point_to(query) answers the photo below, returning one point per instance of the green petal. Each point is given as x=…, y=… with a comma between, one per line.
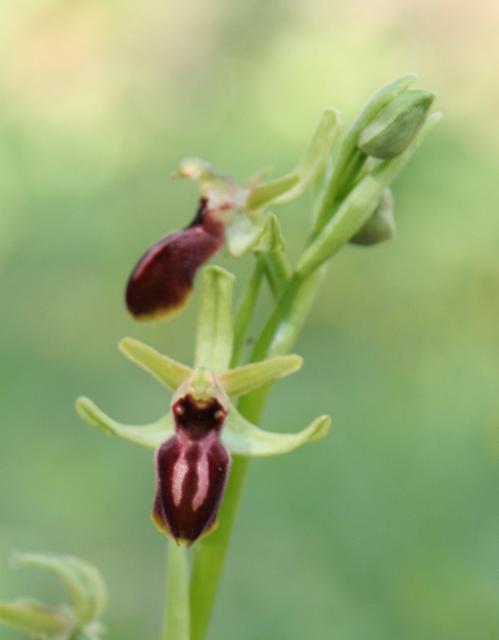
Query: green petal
x=82, y=580
x=215, y=331
x=243, y=438
x=262, y=195
x=150, y=435
x=168, y=371
x=242, y=380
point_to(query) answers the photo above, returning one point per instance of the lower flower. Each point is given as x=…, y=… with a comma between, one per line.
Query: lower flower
x=191, y=470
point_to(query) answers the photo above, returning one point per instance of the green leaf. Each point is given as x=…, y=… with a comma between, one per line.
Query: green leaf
x=244, y=379
x=168, y=371
x=35, y=618
x=150, y=435
x=84, y=583
x=214, y=336
x=243, y=438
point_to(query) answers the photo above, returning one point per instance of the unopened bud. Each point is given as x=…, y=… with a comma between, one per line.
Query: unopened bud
x=380, y=226
x=391, y=132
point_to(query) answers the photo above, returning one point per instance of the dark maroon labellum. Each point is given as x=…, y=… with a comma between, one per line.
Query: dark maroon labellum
x=192, y=469
x=162, y=279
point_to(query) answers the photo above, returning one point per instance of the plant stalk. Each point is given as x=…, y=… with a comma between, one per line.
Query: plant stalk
x=177, y=612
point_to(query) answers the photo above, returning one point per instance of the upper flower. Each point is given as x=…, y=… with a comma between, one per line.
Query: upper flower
x=162, y=280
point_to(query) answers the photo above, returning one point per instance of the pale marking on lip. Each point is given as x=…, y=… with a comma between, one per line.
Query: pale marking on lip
x=179, y=472
x=203, y=481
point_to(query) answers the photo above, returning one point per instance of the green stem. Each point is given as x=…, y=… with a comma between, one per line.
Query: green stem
x=210, y=553
x=278, y=272
x=245, y=310
x=177, y=610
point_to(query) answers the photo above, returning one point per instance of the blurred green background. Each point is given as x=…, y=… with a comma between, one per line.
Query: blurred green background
x=389, y=529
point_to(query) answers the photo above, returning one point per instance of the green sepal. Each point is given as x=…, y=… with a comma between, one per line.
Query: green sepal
x=242, y=380
x=214, y=336
x=150, y=435
x=239, y=435
x=36, y=619
x=316, y=155
x=168, y=371
x=243, y=438
x=380, y=226
x=82, y=580
x=393, y=129
x=292, y=185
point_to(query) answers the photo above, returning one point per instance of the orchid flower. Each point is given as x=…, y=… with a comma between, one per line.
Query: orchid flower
x=162, y=280
x=195, y=440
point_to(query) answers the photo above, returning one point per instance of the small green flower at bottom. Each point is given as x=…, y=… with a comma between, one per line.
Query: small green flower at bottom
x=194, y=441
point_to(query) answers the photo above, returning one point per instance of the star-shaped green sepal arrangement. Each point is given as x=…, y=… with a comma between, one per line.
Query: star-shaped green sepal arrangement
x=195, y=440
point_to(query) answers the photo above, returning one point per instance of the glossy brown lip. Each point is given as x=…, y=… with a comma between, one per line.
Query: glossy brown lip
x=162, y=280
x=192, y=468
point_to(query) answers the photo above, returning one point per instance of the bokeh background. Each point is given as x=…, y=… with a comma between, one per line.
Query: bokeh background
x=389, y=529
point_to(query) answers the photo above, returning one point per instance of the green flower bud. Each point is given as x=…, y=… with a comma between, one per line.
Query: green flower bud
x=391, y=132
x=380, y=226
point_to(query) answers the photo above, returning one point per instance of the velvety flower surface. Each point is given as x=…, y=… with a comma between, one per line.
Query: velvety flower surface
x=162, y=280
x=191, y=469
